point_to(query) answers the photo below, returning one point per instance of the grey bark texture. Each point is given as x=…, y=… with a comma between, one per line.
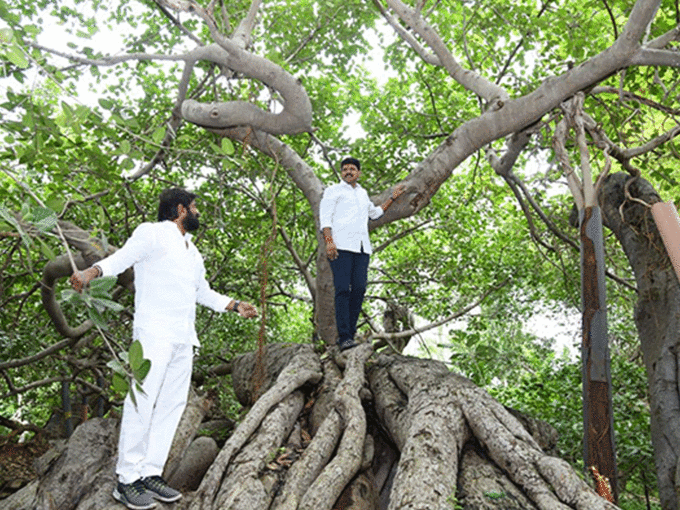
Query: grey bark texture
x=390, y=432
x=657, y=317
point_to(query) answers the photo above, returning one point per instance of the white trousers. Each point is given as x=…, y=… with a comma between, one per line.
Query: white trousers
x=147, y=429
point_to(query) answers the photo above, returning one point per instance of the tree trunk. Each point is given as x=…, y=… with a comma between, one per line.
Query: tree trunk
x=358, y=431
x=656, y=317
x=598, y=418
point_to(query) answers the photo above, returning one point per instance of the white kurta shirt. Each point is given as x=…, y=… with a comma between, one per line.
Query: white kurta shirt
x=346, y=210
x=169, y=281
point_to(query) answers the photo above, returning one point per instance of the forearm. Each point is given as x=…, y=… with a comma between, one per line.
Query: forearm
x=328, y=234
x=398, y=191
x=386, y=205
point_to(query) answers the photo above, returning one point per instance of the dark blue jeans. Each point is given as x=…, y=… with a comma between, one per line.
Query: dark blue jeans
x=350, y=273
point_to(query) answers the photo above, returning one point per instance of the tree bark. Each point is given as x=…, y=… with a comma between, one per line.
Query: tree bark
x=598, y=417
x=656, y=317
x=449, y=444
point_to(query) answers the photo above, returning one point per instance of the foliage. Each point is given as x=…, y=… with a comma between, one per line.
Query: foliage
x=73, y=132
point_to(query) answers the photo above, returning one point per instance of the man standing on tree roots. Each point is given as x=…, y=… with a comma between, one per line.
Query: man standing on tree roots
x=169, y=281
x=344, y=212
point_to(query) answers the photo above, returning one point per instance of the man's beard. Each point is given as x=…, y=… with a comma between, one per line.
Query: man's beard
x=190, y=222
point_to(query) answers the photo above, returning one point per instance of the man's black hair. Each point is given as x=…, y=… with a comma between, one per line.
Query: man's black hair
x=169, y=199
x=350, y=161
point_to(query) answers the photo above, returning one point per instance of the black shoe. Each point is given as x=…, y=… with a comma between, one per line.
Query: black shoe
x=160, y=489
x=346, y=343
x=134, y=495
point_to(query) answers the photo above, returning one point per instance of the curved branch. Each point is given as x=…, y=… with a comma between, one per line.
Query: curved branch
x=36, y=357
x=296, y=116
x=36, y=384
x=55, y=270
x=90, y=252
x=492, y=93
x=627, y=95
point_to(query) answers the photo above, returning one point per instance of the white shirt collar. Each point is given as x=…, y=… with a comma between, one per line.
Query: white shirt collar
x=169, y=223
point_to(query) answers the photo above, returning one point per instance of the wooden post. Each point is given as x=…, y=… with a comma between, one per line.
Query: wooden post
x=598, y=420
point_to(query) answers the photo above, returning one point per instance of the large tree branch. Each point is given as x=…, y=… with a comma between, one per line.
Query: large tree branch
x=474, y=82
x=243, y=33
x=652, y=57
x=406, y=36
x=663, y=40
x=517, y=114
x=296, y=116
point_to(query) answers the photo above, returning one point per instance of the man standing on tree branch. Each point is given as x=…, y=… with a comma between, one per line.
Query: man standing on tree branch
x=169, y=281
x=344, y=212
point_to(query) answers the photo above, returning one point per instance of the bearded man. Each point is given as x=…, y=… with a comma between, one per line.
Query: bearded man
x=169, y=280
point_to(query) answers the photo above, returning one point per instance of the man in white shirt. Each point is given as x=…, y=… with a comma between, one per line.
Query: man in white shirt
x=169, y=281
x=344, y=213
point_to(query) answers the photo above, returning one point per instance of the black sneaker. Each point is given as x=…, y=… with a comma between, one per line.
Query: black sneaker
x=346, y=343
x=134, y=495
x=160, y=489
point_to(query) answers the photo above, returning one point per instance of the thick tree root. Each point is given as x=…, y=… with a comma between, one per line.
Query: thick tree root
x=245, y=486
x=434, y=436
x=451, y=444
x=315, y=457
x=433, y=420
x=193, y=415
x=341, y=469
x=303, y=368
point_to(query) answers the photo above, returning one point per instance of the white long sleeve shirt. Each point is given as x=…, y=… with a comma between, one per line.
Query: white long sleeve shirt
x=169, y=281
x=346, y=210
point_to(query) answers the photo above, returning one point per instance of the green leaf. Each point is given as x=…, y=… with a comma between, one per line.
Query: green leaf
x=71, y=296
x=116, y=366
x=103, y=304
x=55, y=203
x=96, y=317
x=132, y=395
x=158, y=134
x=46, y=250
x=16, y=55
x=107, y=104
x=119, y=383
x=142, y=371
x=101, y=287
x=44, y=219
x=227, y=146
x=6, y=35
x=136, y=355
